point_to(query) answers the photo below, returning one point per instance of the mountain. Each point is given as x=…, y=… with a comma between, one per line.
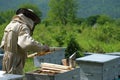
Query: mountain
x=86, y=7
x=93, y=7
x=15, y=4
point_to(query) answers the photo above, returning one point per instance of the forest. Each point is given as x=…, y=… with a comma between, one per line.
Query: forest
x=86, y=7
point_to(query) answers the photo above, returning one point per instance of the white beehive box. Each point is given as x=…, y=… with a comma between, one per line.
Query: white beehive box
x=116, y=54
x=10, y=76
x=54, y=57
x=99, y=67
x=69, y=75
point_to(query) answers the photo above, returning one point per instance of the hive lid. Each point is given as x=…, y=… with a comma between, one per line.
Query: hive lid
x=114, y=53
x=1, y=54
x=99, y=58
x=4, y=76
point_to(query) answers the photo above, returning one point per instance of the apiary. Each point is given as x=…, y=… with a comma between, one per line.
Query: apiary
x=53, y=57
x=99, y=67
x=54, y=72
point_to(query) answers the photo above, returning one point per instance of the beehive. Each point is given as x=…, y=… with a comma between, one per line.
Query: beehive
x=116, y=54
x=11, y=77
x=1, y=58
x=99, y=67
x=54, y=57
x=69, y=75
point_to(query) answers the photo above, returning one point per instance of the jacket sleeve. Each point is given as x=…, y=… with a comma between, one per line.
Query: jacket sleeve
x=26, y=42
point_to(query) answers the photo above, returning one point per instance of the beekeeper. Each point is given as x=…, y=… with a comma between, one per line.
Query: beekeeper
x=17, y=40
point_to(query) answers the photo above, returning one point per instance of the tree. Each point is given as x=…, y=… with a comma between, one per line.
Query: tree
x=73, y=47
x=102, y=19
x=92, y=20
x=6, y=16
x=62, y=11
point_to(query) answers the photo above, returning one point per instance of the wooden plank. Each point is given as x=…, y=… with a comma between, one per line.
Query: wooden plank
x=50, y=65
x=37, y=54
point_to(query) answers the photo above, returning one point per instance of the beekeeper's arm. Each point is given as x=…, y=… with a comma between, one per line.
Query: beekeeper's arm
x=26, y=42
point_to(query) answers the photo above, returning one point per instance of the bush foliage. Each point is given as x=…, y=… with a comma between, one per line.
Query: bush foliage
x=95, y=34
x=73, y=47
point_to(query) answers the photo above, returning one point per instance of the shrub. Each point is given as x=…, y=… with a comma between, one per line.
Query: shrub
x=92, y=20
x=72, y=47
x=6, y=16
x=102, y=19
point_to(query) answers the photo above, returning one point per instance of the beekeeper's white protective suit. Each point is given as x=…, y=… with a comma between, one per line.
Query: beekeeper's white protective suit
x=16, y=42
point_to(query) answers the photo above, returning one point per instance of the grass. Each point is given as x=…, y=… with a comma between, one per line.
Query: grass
x=29, y=65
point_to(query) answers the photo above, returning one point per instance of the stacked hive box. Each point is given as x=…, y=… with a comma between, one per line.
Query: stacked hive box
x=54, y=57
x=1, y=58
x=69, y=75
x=116, y=54
x=11, y=77
x=99, y=67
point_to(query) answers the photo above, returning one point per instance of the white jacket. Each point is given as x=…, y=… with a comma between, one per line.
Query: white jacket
x=21, y=27
x=16, y=42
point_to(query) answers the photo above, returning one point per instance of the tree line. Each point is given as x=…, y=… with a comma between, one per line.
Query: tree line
x=61, y=12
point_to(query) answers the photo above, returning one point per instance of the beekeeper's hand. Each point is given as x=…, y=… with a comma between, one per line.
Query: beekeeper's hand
x=46, y=48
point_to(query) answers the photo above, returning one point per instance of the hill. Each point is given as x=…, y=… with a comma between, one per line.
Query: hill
x=15, y=4
x=86, y=7
x=92, y=7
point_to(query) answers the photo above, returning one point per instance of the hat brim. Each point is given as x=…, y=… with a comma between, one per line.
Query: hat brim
x=29, y=14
